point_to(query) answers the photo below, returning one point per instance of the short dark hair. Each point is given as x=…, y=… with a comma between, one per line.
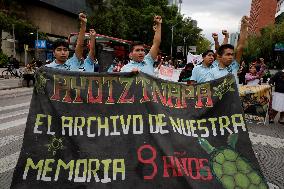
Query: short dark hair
x=222, y=48
x=207, y=52
x=137, y=43
x=60, y=42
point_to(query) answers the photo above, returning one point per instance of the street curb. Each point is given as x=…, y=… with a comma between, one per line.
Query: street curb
x=8, y=88
x=14, y=92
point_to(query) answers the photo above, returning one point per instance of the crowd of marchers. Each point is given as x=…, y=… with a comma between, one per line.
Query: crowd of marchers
x=226, y=59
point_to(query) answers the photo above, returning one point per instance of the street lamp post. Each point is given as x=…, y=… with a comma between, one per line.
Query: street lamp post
x=36, y=55
x=14, y=42
x=172, y=39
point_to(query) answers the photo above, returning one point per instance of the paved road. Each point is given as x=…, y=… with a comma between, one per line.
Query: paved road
x=13, y=115
x=268, y=141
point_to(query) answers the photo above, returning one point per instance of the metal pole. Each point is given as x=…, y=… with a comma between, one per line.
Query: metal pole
x=184, y=47
x=172, y=41
x=36, y=44
x=14, y=40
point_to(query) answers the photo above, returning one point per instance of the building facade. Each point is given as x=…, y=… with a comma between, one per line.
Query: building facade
x=262, y=14
x=57, y=19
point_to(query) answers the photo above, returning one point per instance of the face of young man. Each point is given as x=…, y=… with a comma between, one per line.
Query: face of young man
x=138, y=53
x=209, y=59
x=227, y=58
x=61, y=54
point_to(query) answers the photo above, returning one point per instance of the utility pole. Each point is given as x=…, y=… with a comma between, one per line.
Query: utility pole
x=172, y=41
x=36, y=55
x=14, y=42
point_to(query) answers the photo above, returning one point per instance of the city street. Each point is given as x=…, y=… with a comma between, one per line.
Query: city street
x=268, y=141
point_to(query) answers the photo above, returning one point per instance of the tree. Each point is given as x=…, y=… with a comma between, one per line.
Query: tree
x=132, y=20
x=203, y=45
x=11, y=13
x=263, y=45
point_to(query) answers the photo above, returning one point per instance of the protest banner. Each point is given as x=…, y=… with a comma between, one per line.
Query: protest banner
x=255, y=102
x=125, y=130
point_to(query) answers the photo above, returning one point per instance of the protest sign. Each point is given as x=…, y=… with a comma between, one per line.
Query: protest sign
x=255, y=102
x=169, y=73
x=87, y=130
x=195, y=59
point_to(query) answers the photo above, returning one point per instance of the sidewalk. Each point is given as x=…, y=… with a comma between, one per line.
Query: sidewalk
x=10, y=83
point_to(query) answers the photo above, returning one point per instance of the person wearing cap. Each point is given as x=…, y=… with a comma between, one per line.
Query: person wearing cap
x=61, y=50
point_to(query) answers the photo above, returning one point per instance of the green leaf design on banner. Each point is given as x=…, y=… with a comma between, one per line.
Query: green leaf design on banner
x=222, y=89
x=40, y=83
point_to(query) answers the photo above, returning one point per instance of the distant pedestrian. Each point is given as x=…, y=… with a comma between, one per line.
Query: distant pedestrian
x=278, y=97
x=242, y=73
x=186, y=73
x=252, y=78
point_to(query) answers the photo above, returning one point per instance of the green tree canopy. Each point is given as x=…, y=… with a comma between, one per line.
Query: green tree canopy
x=133, y=20
x=263, y=45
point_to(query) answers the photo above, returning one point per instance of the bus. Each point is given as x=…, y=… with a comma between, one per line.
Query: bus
x=107, y=48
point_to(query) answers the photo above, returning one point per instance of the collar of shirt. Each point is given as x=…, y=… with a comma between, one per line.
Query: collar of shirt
x=202, y=65
x=60, y=65
x=134, y=62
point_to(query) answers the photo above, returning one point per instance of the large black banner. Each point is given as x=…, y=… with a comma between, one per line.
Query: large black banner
x=87, y=130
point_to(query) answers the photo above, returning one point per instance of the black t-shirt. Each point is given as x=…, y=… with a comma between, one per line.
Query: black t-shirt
x=278, y=79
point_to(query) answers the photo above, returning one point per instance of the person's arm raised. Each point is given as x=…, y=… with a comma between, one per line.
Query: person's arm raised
x=92, y=44
x=157, y=37
x=243, y=38
x=80, y=41
x=226, y=37
x=216, y=42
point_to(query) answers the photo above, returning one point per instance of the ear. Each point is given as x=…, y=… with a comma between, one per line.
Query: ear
x=130, y=55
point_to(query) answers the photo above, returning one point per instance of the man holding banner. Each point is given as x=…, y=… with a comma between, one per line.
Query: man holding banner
x=140, y=62
x=61, y=51
x=225, y=55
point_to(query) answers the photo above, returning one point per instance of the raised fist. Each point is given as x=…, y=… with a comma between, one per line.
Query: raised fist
x=225, y=32
x=215, y=35
x=93, y=33
x=245, y=21
x=157, y=20
x=83, y=17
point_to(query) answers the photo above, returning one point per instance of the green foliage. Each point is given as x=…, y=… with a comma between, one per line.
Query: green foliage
x=263, y=45
x=203, y=45
x=133, y=20
x=3, y=59
x=22, y=29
